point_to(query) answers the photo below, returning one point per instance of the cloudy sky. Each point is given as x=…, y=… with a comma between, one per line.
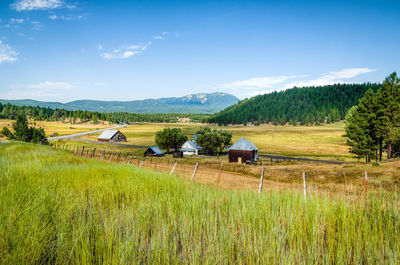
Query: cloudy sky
x=62, y=50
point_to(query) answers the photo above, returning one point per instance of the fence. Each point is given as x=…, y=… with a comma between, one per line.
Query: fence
x=234, y=176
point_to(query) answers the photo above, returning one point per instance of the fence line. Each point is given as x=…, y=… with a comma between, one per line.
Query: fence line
x=185, y=171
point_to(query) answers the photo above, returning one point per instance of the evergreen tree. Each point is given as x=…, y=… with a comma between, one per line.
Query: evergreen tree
x=361, y=128
x=21, y=129
x=388, y=115
x=7, y=133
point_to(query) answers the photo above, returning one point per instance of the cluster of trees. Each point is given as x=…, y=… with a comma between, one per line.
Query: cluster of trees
x=22, y=132
x=304, y=106
x=211, y=141
x=8, y=111
x=374, y=124
x=170, y=138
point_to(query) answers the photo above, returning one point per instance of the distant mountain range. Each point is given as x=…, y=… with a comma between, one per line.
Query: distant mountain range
x=194, y=103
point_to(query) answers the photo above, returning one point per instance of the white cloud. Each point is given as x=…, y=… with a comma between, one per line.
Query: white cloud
x=17, y=20
x=7, y=54
x=331, y=78
x=66, y=17
x=125, y=51
x=47, y=90
x=27, y=5
x=256, y=83
x=47, y=85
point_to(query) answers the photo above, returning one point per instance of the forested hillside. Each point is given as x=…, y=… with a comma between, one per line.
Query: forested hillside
x=8, y=111
x=306, y=105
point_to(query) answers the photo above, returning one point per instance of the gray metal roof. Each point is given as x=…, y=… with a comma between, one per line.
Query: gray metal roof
x=156, y=150
x=107, y=134
x=243, y=144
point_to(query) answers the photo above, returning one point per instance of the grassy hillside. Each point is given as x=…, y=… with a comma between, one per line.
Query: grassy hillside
x=60, y=209
x=306, y=105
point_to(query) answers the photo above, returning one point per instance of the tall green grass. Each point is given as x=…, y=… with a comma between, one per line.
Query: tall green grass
x=59, y=209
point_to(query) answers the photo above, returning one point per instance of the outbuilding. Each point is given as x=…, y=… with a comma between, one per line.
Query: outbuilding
x=243, y=151
x=190, y=148
x=111, y=136
x=153, y=151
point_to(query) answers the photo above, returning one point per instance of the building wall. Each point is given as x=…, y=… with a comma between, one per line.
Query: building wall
x=118, y=137
x=245, y=155
x=191, y=153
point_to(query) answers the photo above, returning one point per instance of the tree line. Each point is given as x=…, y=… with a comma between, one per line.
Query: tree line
x=296, y=106
x=9, y=111
x=373, y=125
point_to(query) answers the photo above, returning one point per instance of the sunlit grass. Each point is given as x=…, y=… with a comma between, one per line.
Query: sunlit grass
x=61, y=209
x=324, y=141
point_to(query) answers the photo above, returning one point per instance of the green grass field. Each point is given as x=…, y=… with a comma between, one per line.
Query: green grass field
x=61, y=209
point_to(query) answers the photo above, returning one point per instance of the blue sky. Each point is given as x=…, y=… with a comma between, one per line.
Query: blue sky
x=62, y=50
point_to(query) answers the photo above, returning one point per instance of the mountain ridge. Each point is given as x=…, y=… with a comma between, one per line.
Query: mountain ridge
x=193, y=103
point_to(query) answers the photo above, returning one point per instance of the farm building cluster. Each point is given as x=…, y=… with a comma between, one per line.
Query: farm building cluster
x=243, y=151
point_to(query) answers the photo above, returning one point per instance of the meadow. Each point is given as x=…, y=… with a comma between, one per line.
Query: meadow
x=323, y=142
x=61, y=209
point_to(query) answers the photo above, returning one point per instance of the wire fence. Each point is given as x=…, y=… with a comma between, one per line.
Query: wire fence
x=265, y=177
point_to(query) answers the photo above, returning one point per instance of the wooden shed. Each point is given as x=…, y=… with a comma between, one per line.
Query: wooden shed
x=111, y=136
x=243, y=151
x=153, y=151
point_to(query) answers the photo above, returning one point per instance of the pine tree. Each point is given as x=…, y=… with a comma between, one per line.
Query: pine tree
x=361, y=128
x=21, y=129
x=388, y=115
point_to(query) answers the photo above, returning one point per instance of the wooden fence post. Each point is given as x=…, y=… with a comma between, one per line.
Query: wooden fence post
x=87, y=153
x=118, y=156
x=83, y=149
x=219, y=173
x=141, y=164
x=304, y=185
x=102, y=155
x=173, y=168
x=261, y=180
x=194, y=172
x=366, y=182
x=94, y=152
x=130, y=159
x=111, y=156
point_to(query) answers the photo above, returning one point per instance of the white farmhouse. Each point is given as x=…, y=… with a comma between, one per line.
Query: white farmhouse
x=190, y=148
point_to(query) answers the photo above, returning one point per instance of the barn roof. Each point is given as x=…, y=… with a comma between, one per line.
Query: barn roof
x=244, y=145
x=156, y=150
x=192, y=145
x=108, y=134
